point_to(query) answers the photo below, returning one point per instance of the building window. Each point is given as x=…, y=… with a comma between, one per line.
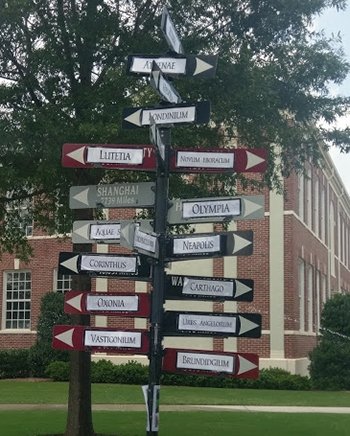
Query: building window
x=63, y=282
x=332, y=230
x=309, y=199
x=323, y=214
x=310, y=305
x=316, y=207
x=18, y=214
x=18, y=289
x=301, y=196
x=301, y=281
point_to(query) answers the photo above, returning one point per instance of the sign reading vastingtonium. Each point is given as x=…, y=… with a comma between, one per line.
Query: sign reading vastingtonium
x=208, y=288
x=112, y=196
x=112, y=339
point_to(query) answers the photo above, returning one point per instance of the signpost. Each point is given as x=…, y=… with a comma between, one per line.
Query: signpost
x=183, y=113
x=211, y=363
x=208, y=288
x=109, y=156
x=217, y=161
x=84, y=338
x=198, y=66
x=112, y=196
x=218, y=209
x=98, y=303
x=105, y=265
x=202, y=245
x=209, y=324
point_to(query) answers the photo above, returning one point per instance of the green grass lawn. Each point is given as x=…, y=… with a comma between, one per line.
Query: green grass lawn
x=24, y=392
x=36, y=423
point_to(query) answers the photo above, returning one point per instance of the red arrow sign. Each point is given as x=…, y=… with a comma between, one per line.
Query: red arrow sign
x=212, y=363
x=132, y=305
x=84, y=338
x=239, y=160
x=118, y=156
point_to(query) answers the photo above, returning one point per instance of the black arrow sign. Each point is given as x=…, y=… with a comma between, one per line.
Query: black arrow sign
x=212, y=324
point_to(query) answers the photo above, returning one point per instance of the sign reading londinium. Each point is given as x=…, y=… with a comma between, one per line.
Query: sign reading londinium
x=202, y=245
x=112, y=196
x=118, y=156
x=133, y=305
x=195, y=113
x=216, y=209
x=209, y=324
x=83, y=338
x=208, y=288
x=201, y=362
x=106, y=265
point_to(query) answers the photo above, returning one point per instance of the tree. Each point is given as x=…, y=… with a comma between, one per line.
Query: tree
x=330, y=360
x=62, y=65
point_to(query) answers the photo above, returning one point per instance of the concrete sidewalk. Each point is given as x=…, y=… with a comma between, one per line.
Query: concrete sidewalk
x=185, y=408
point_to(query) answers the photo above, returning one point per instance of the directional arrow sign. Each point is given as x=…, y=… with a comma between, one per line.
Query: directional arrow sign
x=212, y=324
x=209, y=245
x=156, y=138
x=169, y=31
x=208, y=288
x=109, y=156
x=163, y=87
x=211, y=363
x=96, y=303
x=83, y=338
x=216, y=209
x=197, y=113
x=112, y=196
x=107, y=232
x=132, y=236
x=219, y=161
x=199, y=66
x=135, y=267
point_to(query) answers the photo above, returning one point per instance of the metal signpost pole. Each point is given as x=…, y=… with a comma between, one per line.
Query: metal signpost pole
x=157, y=310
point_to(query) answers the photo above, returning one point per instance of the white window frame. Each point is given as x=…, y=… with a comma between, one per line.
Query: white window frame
x=301, y=286
x=17, y=300
x=63, y=278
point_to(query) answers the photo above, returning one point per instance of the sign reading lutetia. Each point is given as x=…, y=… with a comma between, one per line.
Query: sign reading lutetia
x=83, y=338
x=112, y=196
x=208, y=288
x=201, y=362
x=109, y=156
x=209, y=324
x=163, y=87
x=170, y=34
x=106, y=232
x=216, y=209
x=193, y=113
x=239, y=160
x=199, y=66
x=131, y=266
x=202, y=245
x=98, y=303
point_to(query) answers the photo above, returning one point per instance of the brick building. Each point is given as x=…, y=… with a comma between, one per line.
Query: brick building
x=301, y=257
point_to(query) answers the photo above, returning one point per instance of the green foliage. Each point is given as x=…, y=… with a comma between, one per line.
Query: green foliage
x=62, y=66
x=58, y=371
x=51, y=313
x=330, y=360
x=14, y=364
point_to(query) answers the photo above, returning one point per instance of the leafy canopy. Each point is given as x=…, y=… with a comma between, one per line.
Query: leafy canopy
x=63, y=79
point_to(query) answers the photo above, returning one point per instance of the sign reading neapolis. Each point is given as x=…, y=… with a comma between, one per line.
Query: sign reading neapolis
x=128, y=266
x=216, y=209
x=212, y=363
x=208, y=288
x=112, y=196
x=76, y=302
x=209, y=324
x=209, y=245
x=198, y=113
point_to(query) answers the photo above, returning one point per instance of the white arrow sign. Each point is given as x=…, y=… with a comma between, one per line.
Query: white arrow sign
x=164, y=88
x=170, y=33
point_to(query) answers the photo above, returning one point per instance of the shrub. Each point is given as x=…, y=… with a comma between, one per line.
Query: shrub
x=58, y=371
x=14, y=363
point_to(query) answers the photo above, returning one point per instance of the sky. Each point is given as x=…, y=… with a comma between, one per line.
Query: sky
x=333, y=22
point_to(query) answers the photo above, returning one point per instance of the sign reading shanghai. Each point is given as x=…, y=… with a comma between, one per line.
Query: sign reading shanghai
x=127, y=266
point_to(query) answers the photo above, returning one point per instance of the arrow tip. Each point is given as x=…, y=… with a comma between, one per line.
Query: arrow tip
x=201, y=66
x=66, y=337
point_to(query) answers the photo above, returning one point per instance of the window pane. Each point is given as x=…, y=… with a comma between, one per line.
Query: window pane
x=18, y=300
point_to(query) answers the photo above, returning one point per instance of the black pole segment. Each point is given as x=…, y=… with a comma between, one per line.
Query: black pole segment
x=158, y=282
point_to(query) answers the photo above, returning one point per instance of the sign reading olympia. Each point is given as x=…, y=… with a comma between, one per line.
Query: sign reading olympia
x=106, y=265
x=201, y=362
x=208, y=288
x=98, y=303
x=112, y=196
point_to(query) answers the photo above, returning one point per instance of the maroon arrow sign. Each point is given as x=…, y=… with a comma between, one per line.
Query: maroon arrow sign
x=239, y=160
x=212, y=363
x=109, y=156
x=96, y=303
x=83, y=338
